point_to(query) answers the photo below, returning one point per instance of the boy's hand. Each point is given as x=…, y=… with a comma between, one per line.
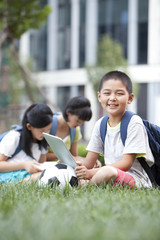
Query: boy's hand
x=98, y=164
x=81, y=171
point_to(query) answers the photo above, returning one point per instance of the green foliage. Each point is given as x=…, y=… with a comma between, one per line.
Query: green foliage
x=110, y=53
x=18, y=17
x=28, y=211
x=17, y=91
x=109, y=57
x=83, y=152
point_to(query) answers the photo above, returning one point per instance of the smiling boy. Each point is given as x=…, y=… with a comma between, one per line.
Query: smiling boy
x=121, y=164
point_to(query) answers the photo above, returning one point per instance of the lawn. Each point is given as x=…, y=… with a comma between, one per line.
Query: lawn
x=28, y=211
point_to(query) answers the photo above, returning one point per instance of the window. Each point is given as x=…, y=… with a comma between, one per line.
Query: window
x=82, y=33
x=38, y=48
x=142, y=31
x=112, y=20
x=64, y=94
x=64, y=33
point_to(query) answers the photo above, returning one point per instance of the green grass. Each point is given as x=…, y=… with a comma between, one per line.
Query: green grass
x=28, y=211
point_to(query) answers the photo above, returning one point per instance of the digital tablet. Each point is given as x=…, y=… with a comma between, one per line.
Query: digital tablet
x=60, y=149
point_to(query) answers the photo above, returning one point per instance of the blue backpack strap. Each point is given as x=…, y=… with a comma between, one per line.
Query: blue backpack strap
x=3, y=134
x=72, y=134
x=124, y=125
x=123, y=128
x=54, y=125
x=103, y=127
x=19, y=129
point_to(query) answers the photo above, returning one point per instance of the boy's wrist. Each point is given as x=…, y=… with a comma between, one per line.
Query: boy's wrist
x=92, y=172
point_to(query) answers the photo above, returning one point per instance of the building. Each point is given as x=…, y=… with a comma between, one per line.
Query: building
x=69, y=41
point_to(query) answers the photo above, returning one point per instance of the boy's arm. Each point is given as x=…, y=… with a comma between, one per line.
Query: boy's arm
x=126, y=163
x=85, y=166
x=89, y=161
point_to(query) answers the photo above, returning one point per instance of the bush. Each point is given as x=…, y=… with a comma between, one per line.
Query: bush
x=83, y=152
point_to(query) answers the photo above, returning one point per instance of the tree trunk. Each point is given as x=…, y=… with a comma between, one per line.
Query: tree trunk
x=27, y=75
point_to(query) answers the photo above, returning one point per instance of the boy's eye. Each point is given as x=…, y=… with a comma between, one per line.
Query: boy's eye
x=106, y=93
x=119, y=93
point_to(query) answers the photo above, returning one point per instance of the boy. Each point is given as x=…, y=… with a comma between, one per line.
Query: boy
x=121, y=165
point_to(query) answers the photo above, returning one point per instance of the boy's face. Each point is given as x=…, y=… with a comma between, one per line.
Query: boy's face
x=114, y=97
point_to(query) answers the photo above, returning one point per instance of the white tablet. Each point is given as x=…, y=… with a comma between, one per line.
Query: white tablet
x=60, y=149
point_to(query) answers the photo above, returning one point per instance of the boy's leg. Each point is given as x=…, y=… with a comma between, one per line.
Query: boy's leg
x=105, y=174
x=108, y=173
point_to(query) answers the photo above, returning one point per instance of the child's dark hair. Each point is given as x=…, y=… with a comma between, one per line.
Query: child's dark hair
x=79, y=106
x=39, y=116
x=117, y=75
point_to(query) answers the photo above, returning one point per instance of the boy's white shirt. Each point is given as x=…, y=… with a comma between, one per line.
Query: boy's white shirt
x=10, y=142
x=113, y=149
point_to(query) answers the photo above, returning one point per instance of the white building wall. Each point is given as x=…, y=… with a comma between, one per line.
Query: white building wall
x=52, y=36
x=154, y=32
x=24, y=47
x=154, y=61
x=75, y=34
x=91, y=31
x=132, y=31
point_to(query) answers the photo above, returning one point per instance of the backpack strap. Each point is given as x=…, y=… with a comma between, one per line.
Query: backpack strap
x=103, y=127
x=19, y=129
x=72, y=134
x=123, y=127
x=19, y=148
x=148, y=171
x=55, y=124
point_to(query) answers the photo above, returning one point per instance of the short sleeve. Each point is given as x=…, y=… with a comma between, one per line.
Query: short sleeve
x=44, y=151
x=9, y=143
x=95, y=144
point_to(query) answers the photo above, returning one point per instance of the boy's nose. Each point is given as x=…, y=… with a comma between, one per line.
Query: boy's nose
x=113, y=97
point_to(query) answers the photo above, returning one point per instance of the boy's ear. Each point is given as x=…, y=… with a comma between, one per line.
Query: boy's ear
x=130, y=99
x=99, y=96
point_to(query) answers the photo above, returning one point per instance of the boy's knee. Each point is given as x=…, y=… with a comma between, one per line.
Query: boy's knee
x=105, y=174
x=110, y=172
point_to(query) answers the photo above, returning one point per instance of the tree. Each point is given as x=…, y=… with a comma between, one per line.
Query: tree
x=17, y=17
x=109, y=57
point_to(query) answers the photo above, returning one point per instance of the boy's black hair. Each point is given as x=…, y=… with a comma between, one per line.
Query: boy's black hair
x=79, y=106
x=117, y=75
x=39, y=116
